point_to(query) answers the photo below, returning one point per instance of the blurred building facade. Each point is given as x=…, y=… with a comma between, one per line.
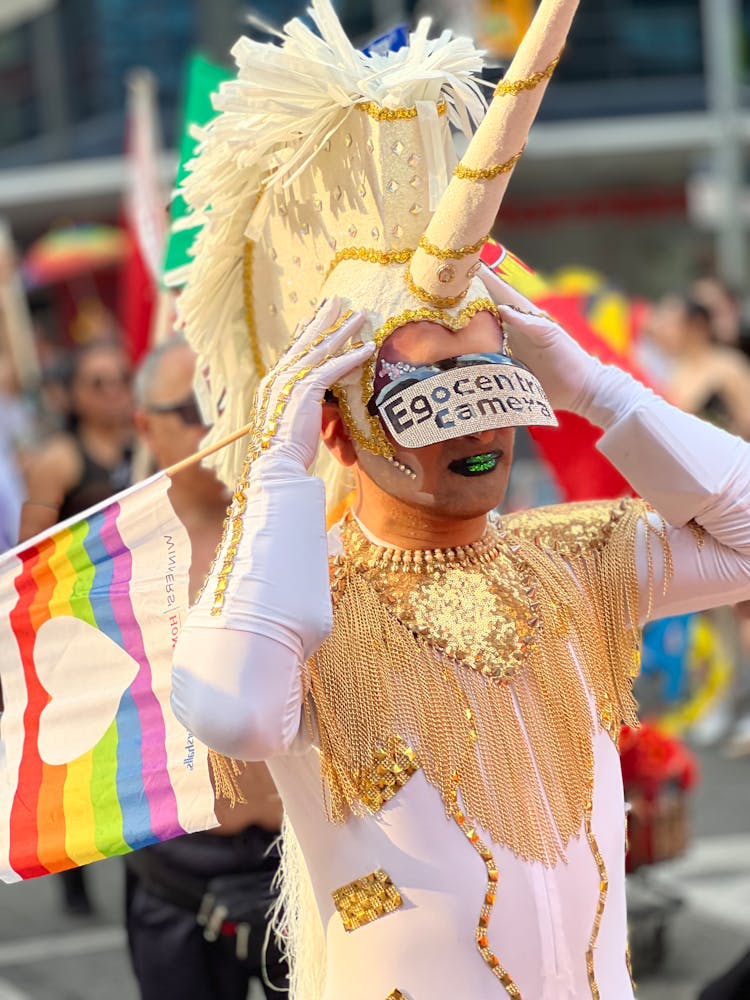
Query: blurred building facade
x=639, y=130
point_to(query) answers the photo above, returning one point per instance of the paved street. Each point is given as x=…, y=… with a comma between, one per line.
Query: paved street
x=47, y=956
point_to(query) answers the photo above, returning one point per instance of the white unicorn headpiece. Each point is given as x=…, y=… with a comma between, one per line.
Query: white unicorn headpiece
x=330, y=171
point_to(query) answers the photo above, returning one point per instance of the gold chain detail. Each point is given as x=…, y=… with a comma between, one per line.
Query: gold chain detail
x=235, y=515
x=381, y=114
x=603, y=887
x=629, y=966
x=490, y=895
x=366, y=899
x=371, y=256
x=378, y=443
x=447, y=254
x=486, y=173
x=433, y=316
x=226, y=773
x=699, y=533
x=441, y=301
x=247, y=300
x=512, y=88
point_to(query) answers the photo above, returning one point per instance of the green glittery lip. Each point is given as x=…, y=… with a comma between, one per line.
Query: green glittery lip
x=475, y=465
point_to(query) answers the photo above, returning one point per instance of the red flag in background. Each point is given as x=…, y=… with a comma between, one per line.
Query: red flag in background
x=569, y=451
x=144, y=216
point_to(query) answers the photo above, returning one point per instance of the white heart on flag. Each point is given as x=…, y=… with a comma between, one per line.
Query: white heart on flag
x=86, y=675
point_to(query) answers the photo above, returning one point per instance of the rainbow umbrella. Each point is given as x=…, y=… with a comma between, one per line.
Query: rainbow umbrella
x=68, y=252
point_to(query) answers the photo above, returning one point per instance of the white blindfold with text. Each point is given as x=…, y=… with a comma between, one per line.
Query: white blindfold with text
x=458, y=396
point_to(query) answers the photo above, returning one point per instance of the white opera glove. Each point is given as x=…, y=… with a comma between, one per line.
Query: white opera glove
x=270, y=575
x=266, y=607
x=287, y=403
x=548, y=351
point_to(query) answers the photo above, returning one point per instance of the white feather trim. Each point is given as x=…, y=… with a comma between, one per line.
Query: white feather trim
x=288, y=99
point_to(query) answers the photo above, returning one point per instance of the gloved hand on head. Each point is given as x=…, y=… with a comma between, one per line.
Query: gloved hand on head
x=287, y=403
x=565, y=370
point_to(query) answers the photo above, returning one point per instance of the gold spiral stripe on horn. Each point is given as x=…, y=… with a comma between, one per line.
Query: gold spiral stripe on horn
x=487, y=173
x=512, y=88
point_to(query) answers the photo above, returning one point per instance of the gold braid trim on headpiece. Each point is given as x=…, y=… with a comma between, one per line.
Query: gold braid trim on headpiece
x=484, y=661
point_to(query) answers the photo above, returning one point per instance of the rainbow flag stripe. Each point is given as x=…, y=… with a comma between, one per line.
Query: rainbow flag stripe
x=119, y=795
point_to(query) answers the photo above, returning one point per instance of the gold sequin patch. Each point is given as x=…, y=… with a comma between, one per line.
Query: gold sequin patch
x=512, y=88
x=477, y=603
x=394, y=764
x=366, y=899
x=396, y=995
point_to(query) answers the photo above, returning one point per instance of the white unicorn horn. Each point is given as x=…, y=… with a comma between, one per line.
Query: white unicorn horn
x=447, y=257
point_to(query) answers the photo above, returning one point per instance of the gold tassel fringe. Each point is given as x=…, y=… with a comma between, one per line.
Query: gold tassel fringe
x=520, y=746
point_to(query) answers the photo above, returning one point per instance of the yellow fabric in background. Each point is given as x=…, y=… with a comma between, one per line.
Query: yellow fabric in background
x=501, y=24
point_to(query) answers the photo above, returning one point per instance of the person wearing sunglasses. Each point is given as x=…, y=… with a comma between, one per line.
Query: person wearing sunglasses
x=170, y=884
x=89, y=460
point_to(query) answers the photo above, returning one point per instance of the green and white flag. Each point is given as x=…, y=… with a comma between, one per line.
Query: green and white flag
x=203, y=80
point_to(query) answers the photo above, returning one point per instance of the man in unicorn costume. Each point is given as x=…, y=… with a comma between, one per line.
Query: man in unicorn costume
x=437, y=691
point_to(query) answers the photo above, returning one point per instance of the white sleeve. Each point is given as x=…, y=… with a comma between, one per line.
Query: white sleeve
x=692, y=473
x=236, y=675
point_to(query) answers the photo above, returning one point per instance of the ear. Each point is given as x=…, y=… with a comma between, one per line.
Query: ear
x=335, y=435
x=142, y=425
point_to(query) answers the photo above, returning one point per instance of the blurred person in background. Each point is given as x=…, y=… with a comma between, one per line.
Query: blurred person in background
x=89, y=460
x=168, y=884
x=76, y=468
x=15, y=429
x=705, y=373
x=708, y=379
x=728, y=325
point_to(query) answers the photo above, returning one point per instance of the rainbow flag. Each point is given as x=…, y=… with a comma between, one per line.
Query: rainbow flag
x=94, y=764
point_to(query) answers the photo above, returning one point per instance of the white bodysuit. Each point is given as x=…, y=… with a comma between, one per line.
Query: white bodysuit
x=238, y=687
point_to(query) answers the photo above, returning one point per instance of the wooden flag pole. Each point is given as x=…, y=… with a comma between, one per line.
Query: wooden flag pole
x=15, y=320
x=185, y=463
